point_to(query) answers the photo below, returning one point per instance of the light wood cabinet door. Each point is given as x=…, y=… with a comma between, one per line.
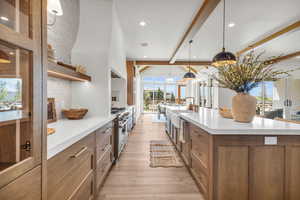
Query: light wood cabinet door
x=292, y=173
x=21, y=85
x=85, y=191
x=27, y=187
x=232, y=170
x=267, y=172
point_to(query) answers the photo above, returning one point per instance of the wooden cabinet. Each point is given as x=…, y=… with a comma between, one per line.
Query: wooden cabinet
x=242, y=167
x=27, y=187
x=105, y=154
x=21, y=99
x=78, y=172
x=68, y=169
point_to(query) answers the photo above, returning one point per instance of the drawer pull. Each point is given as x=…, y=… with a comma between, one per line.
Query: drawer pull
x=107, y=130
x=104, y=148
x=79, y=153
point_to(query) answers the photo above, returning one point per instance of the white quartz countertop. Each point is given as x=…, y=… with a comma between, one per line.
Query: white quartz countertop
x=68, y=132
x=211, y=121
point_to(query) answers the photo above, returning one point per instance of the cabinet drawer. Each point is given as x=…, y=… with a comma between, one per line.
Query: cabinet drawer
x=27, y=187
x=106, y=129
x=103, y=166
x=199, y=174
x=103, y=141
x=67, y=169
x=200, y=145
x=85, y=191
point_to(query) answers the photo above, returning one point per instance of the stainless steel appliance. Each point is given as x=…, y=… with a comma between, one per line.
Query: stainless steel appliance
x=122, y=135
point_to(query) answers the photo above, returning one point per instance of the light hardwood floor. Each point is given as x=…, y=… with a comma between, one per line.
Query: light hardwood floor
x=133, y=179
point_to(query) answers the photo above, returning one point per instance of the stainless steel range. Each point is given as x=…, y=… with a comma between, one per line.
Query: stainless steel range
x=122, y=135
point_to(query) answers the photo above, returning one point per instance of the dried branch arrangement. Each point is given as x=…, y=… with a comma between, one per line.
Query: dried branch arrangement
x=248, y=72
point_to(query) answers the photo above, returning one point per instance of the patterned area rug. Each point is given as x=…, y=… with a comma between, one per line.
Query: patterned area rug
x=163, y=154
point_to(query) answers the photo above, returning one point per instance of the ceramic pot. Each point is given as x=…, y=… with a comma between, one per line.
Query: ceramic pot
x=243, y=107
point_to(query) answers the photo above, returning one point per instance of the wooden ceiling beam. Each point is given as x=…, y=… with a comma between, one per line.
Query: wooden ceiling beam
x=192, y=69
x=286, y=57
x=270, y=37
x=166, y=63
x=144, y=69
x=203, y=13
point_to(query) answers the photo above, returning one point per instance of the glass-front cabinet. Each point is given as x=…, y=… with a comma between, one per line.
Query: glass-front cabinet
x=20, y=88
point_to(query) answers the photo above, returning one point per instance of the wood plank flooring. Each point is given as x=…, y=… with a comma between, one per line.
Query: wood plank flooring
x=133, y=179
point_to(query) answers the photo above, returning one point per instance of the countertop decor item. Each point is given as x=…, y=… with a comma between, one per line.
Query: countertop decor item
x=51, y=110
x=242, y=77
x=75, y=113
x=225, y=112
x=50, y=131
x=224, y=57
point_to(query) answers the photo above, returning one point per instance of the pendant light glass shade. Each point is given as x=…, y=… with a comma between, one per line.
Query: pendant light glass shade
x=189, y=75
x=224, y=58
x=54, y=7
x=4, y=58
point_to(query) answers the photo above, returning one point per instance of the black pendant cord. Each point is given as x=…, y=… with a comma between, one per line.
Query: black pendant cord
x=224, y=15
x=190, y=52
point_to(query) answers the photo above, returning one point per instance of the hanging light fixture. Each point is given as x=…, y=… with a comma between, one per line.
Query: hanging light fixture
x=189, y=75
x=54, y=7
x=224, y=58
x=4, y=58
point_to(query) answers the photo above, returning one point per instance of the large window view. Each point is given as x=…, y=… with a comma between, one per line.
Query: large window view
x=264, y=96
x=157, y=90
x=10, y=94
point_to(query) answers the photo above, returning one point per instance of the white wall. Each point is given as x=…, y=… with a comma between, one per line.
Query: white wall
x=117, y=54
x=92, y=50
x=118, y=89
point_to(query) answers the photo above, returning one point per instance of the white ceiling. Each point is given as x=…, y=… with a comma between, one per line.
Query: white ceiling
x=166, y=21
x=254, y=20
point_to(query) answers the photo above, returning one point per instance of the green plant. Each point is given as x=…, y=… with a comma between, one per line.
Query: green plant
x=3, y=91
x=248, y=72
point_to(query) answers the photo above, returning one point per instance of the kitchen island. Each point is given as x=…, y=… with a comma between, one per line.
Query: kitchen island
x=238, y=161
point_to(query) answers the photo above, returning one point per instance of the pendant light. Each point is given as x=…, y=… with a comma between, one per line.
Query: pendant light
x=189, y=75
x=4, y=58
x=224, y=58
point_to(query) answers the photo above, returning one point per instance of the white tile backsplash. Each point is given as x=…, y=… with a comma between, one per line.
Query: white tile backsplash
x=60, y=90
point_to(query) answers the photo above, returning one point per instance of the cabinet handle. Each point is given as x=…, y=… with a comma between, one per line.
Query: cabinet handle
x=104, y=148
x=79, y=152
x=107, y=130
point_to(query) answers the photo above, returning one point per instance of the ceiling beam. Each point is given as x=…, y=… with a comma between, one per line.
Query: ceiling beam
x=161, y=63
x=205, y=10
x=192, y=69
x=286, y=57
x=270, y=37
x=144, y=69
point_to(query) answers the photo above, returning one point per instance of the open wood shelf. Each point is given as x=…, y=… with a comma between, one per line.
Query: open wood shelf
x=66, y=72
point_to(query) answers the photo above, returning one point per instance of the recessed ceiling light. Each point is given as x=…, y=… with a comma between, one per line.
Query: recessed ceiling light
x=145, y=56
x=11, y=53
x=194, y=56
x=231, y=24
x=4, y=18
x=144, y=44
x=143, y=23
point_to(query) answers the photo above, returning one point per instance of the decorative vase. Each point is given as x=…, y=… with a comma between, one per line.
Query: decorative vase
x=243, y=107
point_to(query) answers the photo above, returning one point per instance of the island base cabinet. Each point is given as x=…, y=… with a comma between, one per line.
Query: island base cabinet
x=27, y=187
x=243, y=167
